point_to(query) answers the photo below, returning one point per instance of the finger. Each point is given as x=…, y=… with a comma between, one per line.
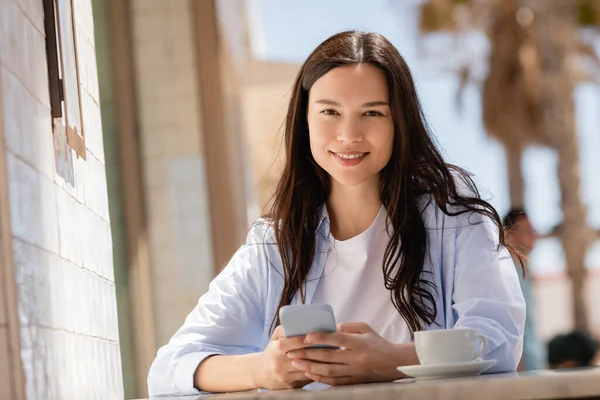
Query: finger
x=323, y=369
x=337, y=381
x=354, y=327
x=296, y=376
x=294, y=380
x=301, y=381
x=338, y=339
x=285, y=345
x=322, y=355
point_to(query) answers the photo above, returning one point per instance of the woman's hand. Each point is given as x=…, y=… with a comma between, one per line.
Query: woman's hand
x=364, y=356
x=274, y=369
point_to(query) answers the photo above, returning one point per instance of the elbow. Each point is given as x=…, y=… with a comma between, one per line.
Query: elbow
x=158, y=382
x=173, y=375
x=502, y=365
x=162, y=380
x=504, y=342
x=507, y=354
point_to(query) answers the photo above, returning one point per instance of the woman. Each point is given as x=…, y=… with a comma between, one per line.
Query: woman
x=367, y=217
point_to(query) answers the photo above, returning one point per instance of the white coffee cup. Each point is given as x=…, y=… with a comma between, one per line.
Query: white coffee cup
x=449, y=345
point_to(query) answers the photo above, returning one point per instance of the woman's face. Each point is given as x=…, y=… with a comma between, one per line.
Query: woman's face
x=350, y=123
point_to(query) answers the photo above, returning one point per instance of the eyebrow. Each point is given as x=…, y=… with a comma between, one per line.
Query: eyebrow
x=369, y=104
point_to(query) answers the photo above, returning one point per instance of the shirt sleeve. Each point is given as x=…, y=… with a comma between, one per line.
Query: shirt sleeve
x=487, y=295
x=228, y=319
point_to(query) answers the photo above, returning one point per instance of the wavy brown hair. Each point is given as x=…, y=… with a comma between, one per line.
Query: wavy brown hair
x=416, y=167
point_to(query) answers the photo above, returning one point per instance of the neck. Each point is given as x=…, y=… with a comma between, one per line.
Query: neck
x=352, y=209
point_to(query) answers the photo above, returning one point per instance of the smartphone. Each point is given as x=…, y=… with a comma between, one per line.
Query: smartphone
x=302, y=319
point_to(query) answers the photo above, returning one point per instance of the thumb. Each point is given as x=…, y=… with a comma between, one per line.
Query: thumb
x=277, y=333
x=355, y=327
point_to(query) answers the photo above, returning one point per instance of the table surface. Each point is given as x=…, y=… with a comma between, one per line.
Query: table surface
x=548, y=384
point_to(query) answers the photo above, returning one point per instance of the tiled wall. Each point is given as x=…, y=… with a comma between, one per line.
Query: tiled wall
x=172, y=158
x=61, y=231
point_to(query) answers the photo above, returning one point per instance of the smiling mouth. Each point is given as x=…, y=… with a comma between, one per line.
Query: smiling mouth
x=349, y=158
x=350, y=155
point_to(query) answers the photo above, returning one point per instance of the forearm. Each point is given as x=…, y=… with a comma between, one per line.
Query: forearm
x=228, y=373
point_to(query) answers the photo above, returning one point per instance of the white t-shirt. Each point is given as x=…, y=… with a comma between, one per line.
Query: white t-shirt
x=353, y=283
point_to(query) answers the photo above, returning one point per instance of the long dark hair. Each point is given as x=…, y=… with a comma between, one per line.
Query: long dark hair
x=415, y=168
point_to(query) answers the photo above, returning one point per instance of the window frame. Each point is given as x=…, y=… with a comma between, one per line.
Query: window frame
x=62, y=58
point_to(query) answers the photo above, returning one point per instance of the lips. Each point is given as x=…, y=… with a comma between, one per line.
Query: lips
x=349, y=158
x=349, y=155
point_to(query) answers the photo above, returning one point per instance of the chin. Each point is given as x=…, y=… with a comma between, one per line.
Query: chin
x=348, y=183
x=345, y=180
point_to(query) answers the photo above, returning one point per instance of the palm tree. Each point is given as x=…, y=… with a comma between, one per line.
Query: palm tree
x=555, y=26
x=527, y=96
x=511, y=91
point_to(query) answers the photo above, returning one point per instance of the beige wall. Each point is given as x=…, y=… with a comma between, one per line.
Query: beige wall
x=553, y=304
x=264, y=107
x=5, y=384
x=173, y=163
x=60, y=227
x=259, y=92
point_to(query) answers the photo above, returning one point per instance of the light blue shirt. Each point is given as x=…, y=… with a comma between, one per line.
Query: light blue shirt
x=477, y=287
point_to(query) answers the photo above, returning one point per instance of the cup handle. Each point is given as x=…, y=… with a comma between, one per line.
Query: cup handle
x=483, y=341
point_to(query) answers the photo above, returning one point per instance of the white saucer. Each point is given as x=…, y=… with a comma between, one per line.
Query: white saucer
x=451, y=370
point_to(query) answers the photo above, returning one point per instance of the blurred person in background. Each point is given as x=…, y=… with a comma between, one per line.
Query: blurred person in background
x=572, y=350
x=522, y=236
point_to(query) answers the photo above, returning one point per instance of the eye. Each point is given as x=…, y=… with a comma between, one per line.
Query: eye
x=373, y=113
x=329, y=111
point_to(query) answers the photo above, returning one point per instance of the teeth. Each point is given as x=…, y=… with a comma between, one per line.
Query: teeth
x=349, y=156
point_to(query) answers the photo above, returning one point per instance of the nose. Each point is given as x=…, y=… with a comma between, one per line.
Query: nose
x=349, y=133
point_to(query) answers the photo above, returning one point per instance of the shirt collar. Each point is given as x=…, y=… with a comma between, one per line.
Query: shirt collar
x=324, y=226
